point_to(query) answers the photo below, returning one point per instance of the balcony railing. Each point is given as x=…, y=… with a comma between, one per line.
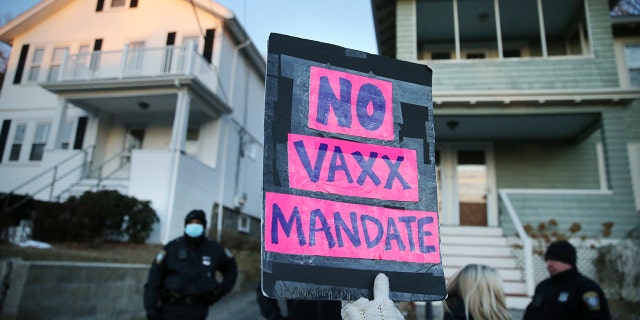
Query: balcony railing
x=135, y=63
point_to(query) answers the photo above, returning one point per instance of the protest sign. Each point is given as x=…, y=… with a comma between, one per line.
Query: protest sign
x=349, y=175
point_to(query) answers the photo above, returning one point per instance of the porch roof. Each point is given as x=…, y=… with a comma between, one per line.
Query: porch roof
x=141, y=98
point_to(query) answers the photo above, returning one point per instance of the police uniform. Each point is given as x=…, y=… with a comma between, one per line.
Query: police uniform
x=182, y=280
x=567, y=295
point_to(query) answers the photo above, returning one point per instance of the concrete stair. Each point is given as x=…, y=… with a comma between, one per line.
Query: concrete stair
x=462, y=245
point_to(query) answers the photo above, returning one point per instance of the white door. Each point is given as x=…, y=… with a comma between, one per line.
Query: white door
x=466, y=184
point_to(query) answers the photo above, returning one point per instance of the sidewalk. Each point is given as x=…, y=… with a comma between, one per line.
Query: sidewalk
x=241, y=305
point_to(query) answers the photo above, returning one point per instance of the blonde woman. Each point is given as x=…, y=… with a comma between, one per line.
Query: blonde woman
x=476, y=293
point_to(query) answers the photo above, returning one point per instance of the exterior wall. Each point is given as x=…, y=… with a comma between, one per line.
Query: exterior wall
x=548, y=165
x=149, y=181
x=193, y=190
x=589, y=208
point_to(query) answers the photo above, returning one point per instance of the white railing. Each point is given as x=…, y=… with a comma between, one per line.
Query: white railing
x=526, y=241
x=138, y=62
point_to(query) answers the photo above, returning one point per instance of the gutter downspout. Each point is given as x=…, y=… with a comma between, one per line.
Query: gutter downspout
x=223, y=166
x=222, y=178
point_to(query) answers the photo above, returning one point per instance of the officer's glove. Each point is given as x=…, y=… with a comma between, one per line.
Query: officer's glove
x=380, y=308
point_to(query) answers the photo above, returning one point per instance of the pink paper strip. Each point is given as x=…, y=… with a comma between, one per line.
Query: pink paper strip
x=352, y=168
x=308, y=226
x=365, y=105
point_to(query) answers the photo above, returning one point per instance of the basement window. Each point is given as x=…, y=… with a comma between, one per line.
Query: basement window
x=244, y=224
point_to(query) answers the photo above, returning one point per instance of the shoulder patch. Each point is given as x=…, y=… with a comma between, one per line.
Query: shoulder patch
x=592, y=299
x=160, y=256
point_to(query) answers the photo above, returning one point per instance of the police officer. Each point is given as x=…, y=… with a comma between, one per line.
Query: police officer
x=567, y=294
x=182, y=280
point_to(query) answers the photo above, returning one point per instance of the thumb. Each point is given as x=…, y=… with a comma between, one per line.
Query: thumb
x=381, y=287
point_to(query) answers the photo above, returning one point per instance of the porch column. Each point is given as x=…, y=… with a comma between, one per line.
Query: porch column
x=53, y=141
x=180, y=121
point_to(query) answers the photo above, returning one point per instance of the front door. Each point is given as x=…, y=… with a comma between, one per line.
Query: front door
x=133, y=141
x=466, y=184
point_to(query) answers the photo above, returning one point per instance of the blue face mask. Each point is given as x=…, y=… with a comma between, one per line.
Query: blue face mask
x=194, y=230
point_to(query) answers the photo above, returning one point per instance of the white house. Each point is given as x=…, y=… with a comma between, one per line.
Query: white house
x=161, y=100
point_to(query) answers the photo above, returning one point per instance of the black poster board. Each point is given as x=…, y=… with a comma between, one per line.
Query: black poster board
x=349, y=175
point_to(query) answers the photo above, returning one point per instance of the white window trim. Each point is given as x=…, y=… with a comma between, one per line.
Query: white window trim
x=244, y=223
x=11, y=141
x=40, y=65
x=634, y=164
x=602, y=167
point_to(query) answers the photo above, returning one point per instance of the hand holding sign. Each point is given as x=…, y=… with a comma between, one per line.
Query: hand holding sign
x=380, y=308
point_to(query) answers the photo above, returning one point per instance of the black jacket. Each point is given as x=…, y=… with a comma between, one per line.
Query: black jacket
x=186, y=269
x=456, y=309
x=568, y=295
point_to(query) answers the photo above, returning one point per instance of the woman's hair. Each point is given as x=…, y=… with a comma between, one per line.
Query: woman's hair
x=480, y=287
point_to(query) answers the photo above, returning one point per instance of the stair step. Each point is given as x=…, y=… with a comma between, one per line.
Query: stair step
x=475, y=240
x=506, y=274
x=471, y=231
x=495, y=262
x=475, y=250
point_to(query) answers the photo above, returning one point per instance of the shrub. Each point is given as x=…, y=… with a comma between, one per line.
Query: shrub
x=95, y=217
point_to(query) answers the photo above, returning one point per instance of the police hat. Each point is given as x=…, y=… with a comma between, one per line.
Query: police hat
x=197, y=215
x=561, y=251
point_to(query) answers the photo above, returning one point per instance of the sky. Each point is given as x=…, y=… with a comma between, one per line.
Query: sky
x=347, y=23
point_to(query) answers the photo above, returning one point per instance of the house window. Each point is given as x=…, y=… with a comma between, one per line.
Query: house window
x=56, y=62
x=36, y=62
x=475, y=55
x=440, y=55
x=244, y=224
x=191, y=143
x=80, y=65
x=135, y=57
x=535, y=28
x=117, y=3
x=511, y=53
x=65, y=135
x=632, y=59
x=251, y=149
x=39, y=141
x=18, y=140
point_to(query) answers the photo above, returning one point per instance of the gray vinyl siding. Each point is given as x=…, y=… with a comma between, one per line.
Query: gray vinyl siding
x=548, y=165
x=590, y=211
x=632, y=122
x=406, y=45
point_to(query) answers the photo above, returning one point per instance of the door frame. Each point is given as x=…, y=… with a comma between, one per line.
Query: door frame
x=450, y=214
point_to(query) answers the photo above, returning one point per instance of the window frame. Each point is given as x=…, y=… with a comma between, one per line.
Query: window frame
x=244, y=223
x=36, y=63
x=39, y=141
x=19, y=144
x=57, y=59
